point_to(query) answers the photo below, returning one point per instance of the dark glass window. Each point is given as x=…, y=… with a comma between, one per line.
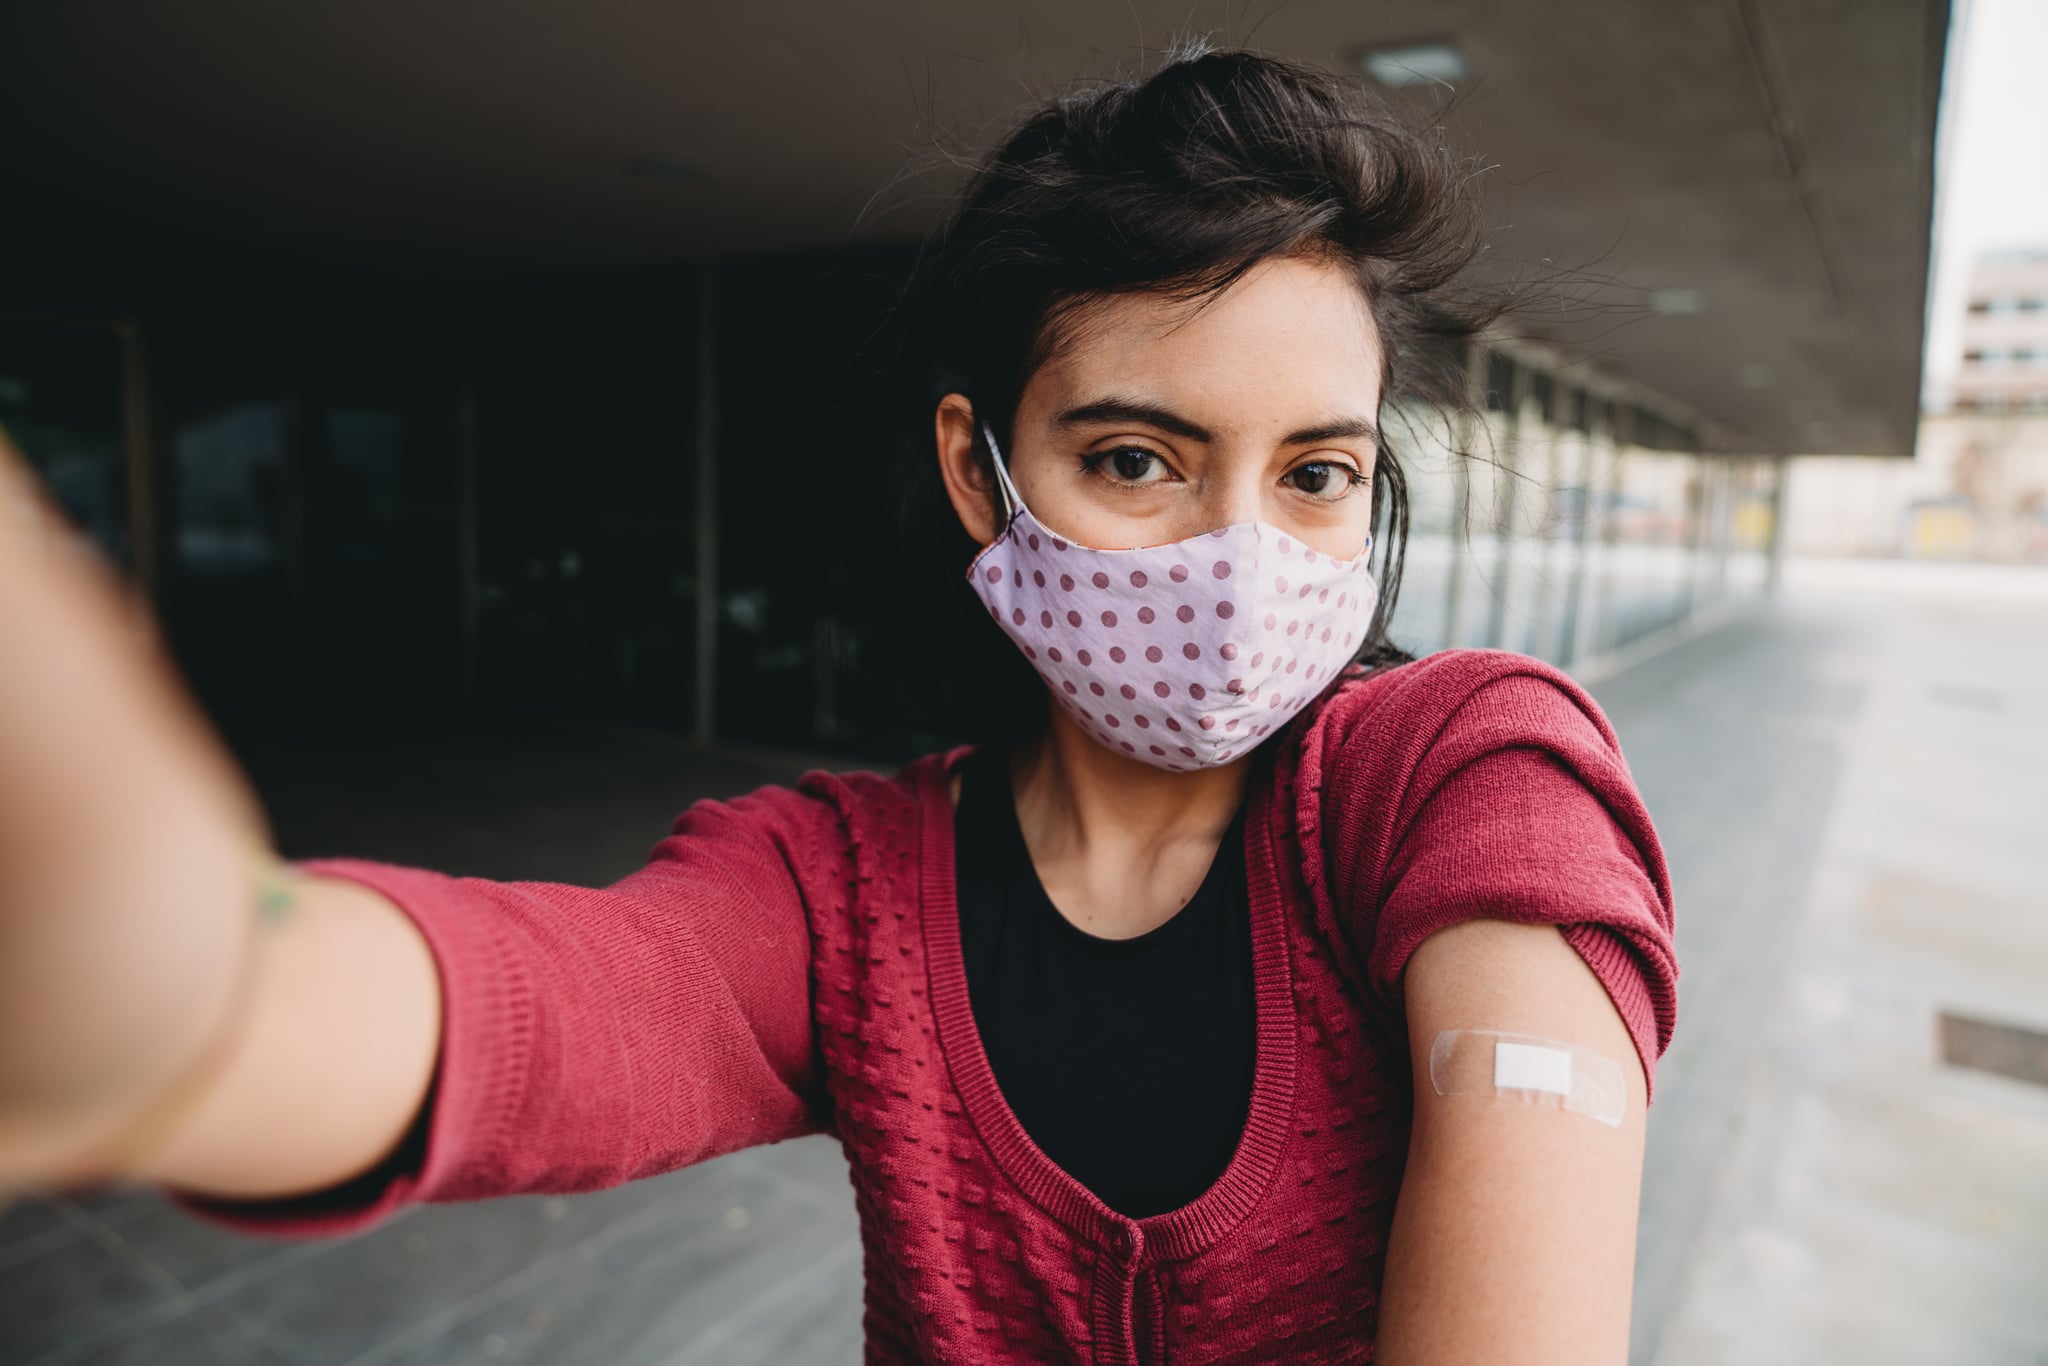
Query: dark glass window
x=60, y=400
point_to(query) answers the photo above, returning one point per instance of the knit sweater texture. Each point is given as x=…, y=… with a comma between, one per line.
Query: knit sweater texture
x=789, y=962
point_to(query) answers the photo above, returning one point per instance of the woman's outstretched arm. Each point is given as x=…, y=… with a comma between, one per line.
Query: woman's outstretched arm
x=172, y=1003
x=176, y=1005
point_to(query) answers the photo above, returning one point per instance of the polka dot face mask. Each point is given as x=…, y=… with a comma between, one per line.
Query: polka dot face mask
x=1183, y=655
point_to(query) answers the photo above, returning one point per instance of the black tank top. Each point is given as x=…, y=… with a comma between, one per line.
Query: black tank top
x=1127, y=1061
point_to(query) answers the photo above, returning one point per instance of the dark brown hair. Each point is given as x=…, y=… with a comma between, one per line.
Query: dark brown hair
x=1176, y=183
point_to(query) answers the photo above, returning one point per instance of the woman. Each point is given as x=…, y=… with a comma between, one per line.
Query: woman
x=1247, y=995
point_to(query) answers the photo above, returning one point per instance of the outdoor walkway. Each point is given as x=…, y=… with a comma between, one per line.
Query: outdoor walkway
x=1865, y=847
x=1851, y=786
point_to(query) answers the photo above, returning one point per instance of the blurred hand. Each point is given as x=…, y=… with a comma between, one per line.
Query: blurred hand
x=125, y=841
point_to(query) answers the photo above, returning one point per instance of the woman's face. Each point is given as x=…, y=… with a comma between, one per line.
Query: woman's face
x=1155, y=421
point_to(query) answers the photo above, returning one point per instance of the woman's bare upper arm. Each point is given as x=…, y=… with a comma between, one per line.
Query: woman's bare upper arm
x=1514, y=1235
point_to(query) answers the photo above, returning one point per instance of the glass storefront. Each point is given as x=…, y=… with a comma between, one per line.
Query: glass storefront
x=61, y=400
x=1556, y=534
x=493, y=498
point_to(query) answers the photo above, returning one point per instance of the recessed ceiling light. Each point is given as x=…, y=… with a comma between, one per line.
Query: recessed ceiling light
x=1433, y=63
x=1675, y=301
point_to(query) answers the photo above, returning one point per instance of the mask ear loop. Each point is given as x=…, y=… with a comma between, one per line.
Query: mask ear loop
x=1012, y=503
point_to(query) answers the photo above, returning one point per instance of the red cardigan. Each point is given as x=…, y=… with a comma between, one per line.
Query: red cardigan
x=789, y=962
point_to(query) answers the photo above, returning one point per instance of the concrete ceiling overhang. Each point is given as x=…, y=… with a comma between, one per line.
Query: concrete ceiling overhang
x=1767, y=162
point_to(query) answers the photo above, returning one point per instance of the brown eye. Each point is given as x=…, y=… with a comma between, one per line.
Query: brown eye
x=1132, y=464
x=1321, y=479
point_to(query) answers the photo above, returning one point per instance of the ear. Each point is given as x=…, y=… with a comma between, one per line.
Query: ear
x=969, y=483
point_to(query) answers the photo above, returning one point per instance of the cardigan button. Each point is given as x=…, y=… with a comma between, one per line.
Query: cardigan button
x=1126, y=1242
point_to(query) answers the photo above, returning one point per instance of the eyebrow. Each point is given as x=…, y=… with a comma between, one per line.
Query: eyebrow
x=1166, y=420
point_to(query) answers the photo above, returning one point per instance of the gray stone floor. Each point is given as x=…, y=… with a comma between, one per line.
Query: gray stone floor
x=1854, y=1198
x=750, y=1259
x=1851, y=789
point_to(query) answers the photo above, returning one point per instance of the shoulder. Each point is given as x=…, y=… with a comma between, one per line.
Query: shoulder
x=1418, y=722
x=821, y=822
x=861, y=797
x=1460, y=696
x=1382, y=745
x=1477, y=784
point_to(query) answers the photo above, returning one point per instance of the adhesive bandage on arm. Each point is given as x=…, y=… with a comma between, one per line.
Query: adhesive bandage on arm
x=1530, y=1070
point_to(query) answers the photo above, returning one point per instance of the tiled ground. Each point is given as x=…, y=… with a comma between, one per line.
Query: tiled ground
x=1866, y=1202
x=750, y=1259
x=1748, y=743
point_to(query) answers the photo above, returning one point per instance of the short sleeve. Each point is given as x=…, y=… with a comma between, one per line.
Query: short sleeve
x=592, y=1036
x=1515, y=835
x=1511, y=801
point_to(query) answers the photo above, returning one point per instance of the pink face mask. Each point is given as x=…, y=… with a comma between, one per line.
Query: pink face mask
x=1183, y=655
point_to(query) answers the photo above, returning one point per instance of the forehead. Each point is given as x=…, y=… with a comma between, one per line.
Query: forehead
x=1294, y=337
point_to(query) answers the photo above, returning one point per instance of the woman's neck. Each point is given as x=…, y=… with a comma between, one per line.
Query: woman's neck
x=1119, y=845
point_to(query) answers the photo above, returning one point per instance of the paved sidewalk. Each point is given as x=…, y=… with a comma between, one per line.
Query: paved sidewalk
x=1852, y=787
x=751, y=1260
x=1870, y=1204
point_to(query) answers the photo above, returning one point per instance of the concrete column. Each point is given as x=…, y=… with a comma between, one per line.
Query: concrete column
x=1698, y=583
x=468, y=548
x=295, y=437
x=140, y=462
x=707, y=509
x=1610, y=528
x=1569, y=643
x=1466, y=433
x=1699, y=507
x=1724, y=525
x=1774, y=560
x=1563, y=447
x=1504, y=534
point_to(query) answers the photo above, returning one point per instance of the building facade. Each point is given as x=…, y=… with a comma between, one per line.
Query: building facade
x=2005, y=335
x=1977, y=487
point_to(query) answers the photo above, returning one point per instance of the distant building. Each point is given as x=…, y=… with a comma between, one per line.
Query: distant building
x=1977, y=487
x=2005, y=335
